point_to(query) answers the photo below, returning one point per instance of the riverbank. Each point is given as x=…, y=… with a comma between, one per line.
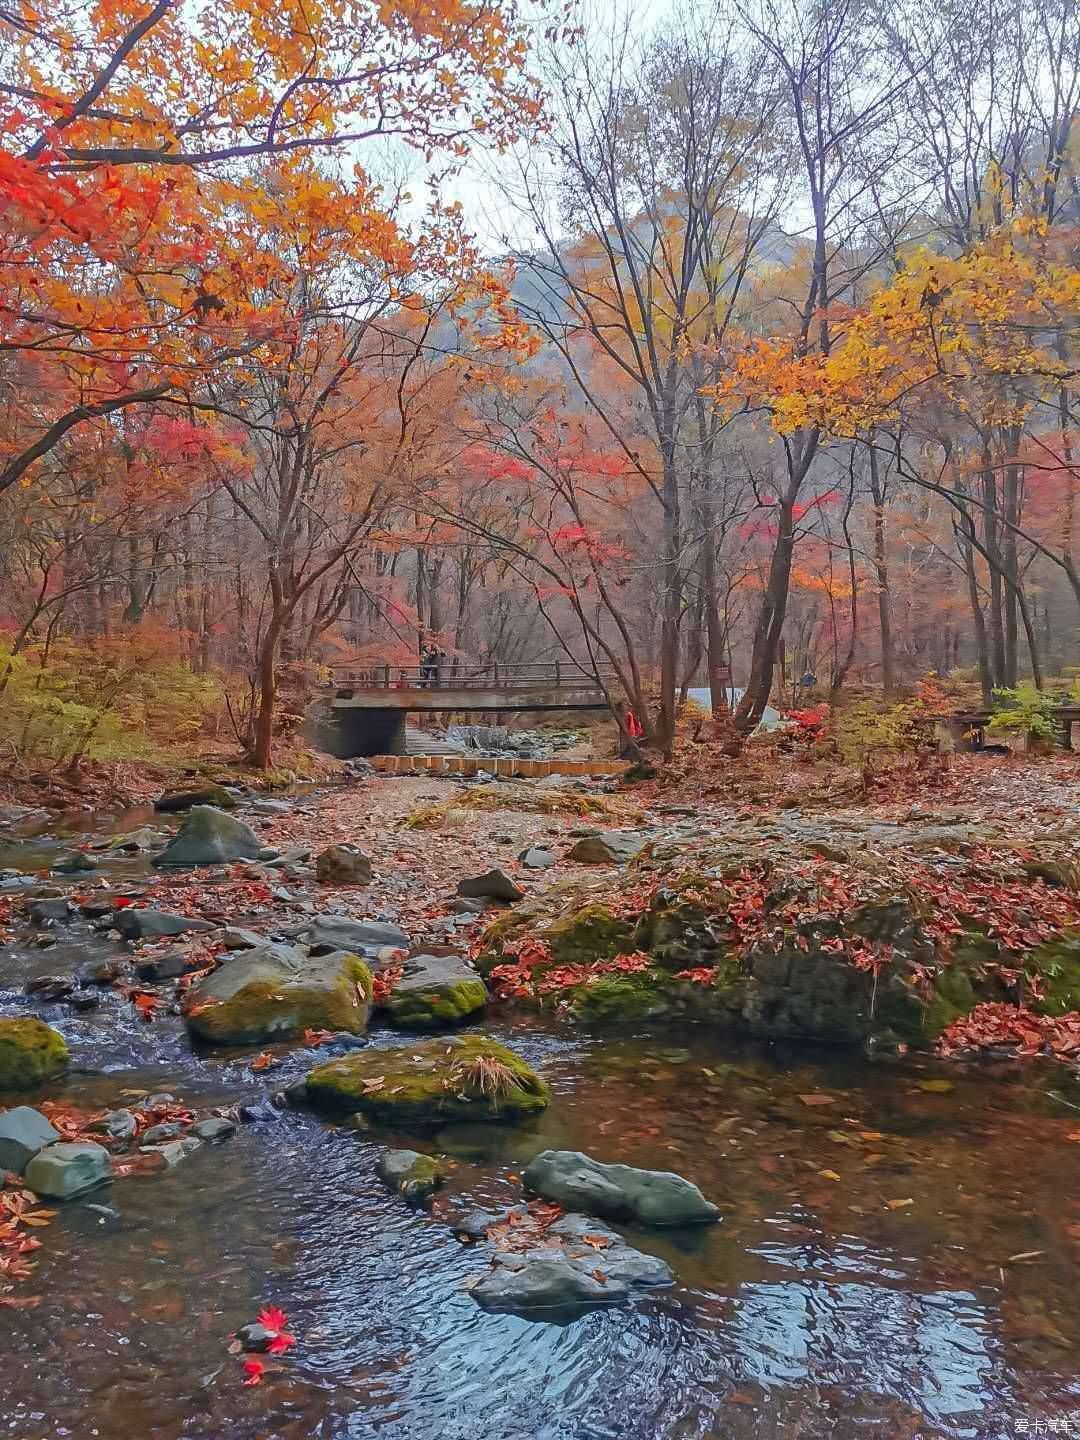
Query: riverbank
x=865, y=1199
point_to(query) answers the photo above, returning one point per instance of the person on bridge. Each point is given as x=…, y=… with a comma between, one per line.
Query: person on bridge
x=429, y=665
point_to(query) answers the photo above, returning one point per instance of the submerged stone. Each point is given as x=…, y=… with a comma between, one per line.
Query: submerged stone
x=75, y=862
x=410, y=1173
x=275, y=992
x=460, y=1077
x=579, y=1264
x=653, y=1197
x=31, y=1053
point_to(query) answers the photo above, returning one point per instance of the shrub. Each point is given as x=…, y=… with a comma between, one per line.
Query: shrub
x=867, y=734
x=103, y=698
x=1023, y=711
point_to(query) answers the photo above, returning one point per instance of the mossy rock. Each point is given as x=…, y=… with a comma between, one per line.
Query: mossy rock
x=276, y=993
x=31, y=1053
x=621, y=999
x=1056, y=964
x=429, y=1083
x=592, y=932
x=494, y=937
x=680, y=932
x=437, y=1007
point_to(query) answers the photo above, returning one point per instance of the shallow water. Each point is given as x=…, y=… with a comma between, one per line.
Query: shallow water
x=815, y=1308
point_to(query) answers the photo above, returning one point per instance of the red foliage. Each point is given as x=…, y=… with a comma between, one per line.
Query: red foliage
x=1016, y=1028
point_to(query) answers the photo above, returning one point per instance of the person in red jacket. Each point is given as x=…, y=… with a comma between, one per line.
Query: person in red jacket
x=634, y=727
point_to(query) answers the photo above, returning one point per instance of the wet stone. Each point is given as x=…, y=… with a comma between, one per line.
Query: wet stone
x=256, y=1339
x=156, y=1134
x=68, y=1169
x=50, y=911
x=173, y=1151
x=75, y=863
x=23, y=1132
x=117, y=1124
x=214, y=1129
x=653, y=1197
x=50, y=987
x=410, y=1173
x=137, y=924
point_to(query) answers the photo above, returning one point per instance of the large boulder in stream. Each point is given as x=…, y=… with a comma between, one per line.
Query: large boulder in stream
x=31, y=1053
x=457, y=1078
x=435, y=992
x=652, y=1197
x=275, y=992
x=209, y=837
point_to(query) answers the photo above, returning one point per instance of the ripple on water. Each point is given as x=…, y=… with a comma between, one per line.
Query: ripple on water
x=812, y=1310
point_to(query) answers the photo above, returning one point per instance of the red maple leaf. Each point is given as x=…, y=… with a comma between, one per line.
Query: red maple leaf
x=253, y=1371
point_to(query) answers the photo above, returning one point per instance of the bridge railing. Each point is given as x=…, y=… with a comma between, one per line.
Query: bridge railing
x=495, y=676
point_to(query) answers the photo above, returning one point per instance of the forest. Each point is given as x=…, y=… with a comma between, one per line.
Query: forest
x=772, y=380
x=539, y=832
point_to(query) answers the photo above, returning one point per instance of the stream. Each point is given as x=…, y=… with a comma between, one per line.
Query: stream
x=895, y=1257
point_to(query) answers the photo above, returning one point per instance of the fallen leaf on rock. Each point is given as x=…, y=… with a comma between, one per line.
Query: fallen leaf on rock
x=263, y=1061
x=899, y=1204
x=829, y=1175
x=253, y=1372
x=937, y=1087
x=818, y=1099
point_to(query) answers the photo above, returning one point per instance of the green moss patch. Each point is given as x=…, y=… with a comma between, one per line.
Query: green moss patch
x=271, y=1001
x=458, y=1078
x=31, y=1053
x=442, y=1005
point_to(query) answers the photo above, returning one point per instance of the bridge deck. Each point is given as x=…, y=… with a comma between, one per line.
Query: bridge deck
x=560, y=685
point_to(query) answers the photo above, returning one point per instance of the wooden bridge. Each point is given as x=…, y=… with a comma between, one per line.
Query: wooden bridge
x=364, y=711
x=973, y=722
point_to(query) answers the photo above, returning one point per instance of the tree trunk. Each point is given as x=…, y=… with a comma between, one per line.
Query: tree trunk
x=671, y=610
x=715, y=637
x=769, y=630
x=992, y=551
x=982, y=651
x=881, y=568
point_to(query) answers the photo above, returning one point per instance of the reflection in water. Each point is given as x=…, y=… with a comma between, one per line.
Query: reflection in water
x=859, y=1284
